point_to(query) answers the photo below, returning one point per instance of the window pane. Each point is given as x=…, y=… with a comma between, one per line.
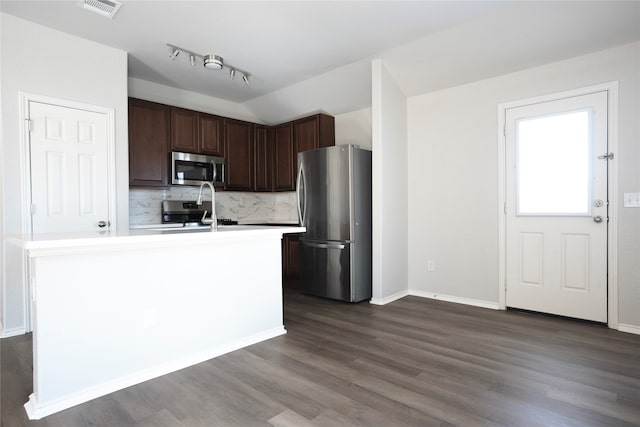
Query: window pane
x=554, y=165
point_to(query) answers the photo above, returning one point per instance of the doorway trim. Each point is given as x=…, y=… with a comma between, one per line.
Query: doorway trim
x=25, y=174
x=25, y=150
x=612, y=186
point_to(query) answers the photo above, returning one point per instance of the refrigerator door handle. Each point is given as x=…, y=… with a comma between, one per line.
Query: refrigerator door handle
x=325, y=245
x=298, y=191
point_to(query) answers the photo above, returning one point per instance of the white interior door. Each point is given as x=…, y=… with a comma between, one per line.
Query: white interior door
x=556, y=207
x=69, y=169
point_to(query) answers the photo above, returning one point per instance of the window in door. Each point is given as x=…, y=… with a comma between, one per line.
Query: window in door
x=554, y=164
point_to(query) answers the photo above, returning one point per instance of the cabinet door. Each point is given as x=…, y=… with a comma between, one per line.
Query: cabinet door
x=184, y=130
x=210, y=136
x=148, y=143
x=291, y=247
x=238, y=138
x=327, y=131
x=306, y=133
x=314, y=132
x=262, y=159
x=294, y=256
x=284, y=158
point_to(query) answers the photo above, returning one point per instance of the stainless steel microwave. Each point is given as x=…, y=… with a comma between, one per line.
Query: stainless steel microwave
x=194, y=169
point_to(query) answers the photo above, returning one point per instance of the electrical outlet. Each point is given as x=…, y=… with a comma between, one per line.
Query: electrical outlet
x=632, y=200
x=431, y=265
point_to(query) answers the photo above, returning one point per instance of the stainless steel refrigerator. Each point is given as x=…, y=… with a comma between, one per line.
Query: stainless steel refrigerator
x=334, y=204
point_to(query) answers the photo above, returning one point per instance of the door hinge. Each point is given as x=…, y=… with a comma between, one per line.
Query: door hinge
x=29, y=125
x=504, y=130
x=33, y=209
x=606, y=156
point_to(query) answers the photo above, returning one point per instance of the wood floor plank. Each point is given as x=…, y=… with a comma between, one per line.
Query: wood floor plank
x=414, y=362
x=288, y=418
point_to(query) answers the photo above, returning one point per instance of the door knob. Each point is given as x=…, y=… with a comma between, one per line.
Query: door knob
x=597, y=218
x=103, y=224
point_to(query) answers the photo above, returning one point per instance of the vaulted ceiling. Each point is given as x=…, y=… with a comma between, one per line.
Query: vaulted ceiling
x=426, y=45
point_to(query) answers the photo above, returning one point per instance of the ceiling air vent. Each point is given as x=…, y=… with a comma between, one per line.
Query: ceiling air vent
x=106, y=8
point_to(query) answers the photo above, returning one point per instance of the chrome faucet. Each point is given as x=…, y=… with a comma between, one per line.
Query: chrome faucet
x=213, y=221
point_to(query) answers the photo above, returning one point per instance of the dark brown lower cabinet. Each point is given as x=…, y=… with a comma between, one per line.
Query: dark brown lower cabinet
x=291, y=260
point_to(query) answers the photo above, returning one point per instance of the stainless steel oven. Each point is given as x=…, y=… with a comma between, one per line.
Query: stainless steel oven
x=194, y=169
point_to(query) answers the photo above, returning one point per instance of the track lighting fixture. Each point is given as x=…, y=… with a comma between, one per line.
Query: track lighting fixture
x=210, y=61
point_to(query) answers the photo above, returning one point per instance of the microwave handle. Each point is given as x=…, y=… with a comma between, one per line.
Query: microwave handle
x=215, y=170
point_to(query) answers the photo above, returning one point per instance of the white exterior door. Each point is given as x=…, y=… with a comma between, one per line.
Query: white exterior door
x=69, y=169
x=556, y=207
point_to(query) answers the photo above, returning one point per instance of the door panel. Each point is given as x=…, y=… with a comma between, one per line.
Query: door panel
x=325, y=198
x=556, y=187
x=69, y=169
x=326, y=269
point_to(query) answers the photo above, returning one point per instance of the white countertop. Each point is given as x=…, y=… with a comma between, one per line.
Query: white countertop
x=148, y=237
x=268, y=221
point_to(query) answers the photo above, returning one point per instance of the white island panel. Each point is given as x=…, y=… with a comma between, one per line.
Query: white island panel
x=119, y=314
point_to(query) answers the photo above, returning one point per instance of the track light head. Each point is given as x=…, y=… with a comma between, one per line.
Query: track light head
x=232, y=73
x=245, y=78
x=192, y=59
x=174, y=54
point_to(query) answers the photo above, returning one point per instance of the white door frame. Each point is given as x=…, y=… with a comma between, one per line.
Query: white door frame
x=612, y=186
x=25, y=173
x=25, y=150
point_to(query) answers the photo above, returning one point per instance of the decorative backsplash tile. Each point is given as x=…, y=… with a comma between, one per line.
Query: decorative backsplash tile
x=145, y=204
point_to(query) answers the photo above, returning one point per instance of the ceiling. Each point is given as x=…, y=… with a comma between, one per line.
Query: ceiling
x=427, y=45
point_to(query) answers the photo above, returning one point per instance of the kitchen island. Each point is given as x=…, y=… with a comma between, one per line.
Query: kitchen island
x=110, y=310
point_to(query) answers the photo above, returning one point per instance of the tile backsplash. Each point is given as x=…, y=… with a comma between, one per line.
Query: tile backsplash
x=145, y=204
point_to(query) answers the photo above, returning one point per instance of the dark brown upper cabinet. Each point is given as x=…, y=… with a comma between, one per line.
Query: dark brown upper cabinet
x=238, y=141
x=210, y=136
x=184, y=130
x=195, y=132
x=257, y=157
x=314, y=132
x=149, y=134
x=283, y=158
x=262, y=159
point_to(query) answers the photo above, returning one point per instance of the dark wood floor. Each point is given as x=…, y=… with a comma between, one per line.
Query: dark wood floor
x=414, y=362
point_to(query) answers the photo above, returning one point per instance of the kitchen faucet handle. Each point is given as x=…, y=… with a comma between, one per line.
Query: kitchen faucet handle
x=204, y=219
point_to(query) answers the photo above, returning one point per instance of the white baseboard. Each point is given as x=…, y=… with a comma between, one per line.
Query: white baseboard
x=632, y=329
x=458, y=300
x=36, y=411
x=390, y=298
x=6, y=333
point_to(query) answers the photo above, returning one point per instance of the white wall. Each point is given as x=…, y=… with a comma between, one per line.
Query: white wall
x=194, y=101
x=453, y=175
x=68, y=68
x=389, y=141
x=332, y=92
x=354, y=128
